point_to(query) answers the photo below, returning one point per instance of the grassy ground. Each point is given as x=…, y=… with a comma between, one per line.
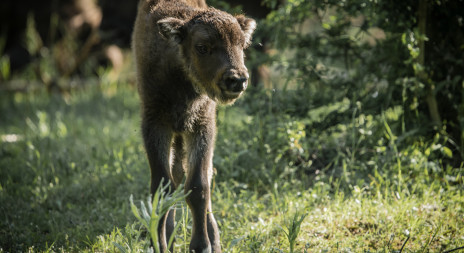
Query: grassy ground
x=68, y=165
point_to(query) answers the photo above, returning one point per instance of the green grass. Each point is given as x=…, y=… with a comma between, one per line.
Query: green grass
x=339, y=179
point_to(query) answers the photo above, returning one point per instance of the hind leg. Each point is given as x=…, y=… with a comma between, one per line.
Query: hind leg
x=177, y=174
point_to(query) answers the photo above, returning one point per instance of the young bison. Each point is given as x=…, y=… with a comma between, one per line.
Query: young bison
x=189, y=58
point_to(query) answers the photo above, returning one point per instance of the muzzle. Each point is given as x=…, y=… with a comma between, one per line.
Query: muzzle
x=234, y=82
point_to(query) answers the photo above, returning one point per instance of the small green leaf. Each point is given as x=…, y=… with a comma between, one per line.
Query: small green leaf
x=447, y=152
x=134, y=209
x=121, y=248
x=427, y=152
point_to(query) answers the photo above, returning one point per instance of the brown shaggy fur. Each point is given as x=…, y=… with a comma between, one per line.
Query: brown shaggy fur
x=189, y=58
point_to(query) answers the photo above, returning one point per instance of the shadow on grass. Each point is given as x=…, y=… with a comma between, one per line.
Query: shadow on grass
x=67, y=176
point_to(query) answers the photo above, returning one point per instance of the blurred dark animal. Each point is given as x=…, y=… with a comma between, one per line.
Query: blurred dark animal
x=70, y=31
x=189, y=58
x=80, y=17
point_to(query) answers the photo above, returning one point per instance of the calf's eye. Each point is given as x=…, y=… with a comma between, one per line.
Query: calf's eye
x=202, y=49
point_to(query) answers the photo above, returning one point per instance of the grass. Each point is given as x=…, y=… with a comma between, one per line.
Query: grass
x=68, y=165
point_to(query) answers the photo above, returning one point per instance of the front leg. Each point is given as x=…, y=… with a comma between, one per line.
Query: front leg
x=157, y=140
x=200, y=145
x=213, y=230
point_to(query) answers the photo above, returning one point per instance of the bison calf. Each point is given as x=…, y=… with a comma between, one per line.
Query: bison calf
x=189, y=58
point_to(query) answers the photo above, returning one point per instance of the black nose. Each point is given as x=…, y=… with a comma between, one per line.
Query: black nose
x=236, y=84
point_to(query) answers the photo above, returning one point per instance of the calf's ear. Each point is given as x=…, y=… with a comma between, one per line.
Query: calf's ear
x=171, y=29
x=248, y=26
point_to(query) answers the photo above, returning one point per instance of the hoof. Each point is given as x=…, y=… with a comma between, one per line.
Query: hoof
x=200, y=249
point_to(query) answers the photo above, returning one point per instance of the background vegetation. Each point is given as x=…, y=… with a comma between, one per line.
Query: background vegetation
x=350, y=140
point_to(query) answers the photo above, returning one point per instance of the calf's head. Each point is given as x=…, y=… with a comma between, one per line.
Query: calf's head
x=210, y=47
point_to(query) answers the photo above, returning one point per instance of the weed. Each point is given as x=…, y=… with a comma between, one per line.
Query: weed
x=293, y=229
x=163, y=200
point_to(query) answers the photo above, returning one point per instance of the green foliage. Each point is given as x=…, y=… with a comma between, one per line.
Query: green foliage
x=368, y=52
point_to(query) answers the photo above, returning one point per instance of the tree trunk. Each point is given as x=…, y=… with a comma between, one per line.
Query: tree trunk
x=421, y=74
